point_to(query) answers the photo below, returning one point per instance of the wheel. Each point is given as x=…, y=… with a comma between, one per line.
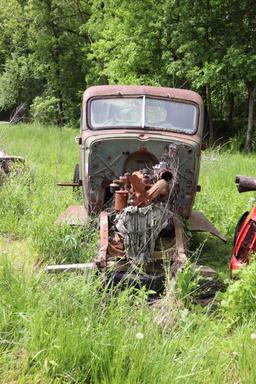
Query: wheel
x=239, y=225
x=151, y=282
x=207, y=289
x=76, y=176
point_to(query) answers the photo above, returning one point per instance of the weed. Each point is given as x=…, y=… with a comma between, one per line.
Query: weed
x=239, y=300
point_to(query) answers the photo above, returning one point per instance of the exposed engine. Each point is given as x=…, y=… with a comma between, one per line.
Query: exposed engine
x=144, y=206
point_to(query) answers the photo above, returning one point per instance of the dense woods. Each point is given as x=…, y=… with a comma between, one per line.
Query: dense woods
x=51, y=50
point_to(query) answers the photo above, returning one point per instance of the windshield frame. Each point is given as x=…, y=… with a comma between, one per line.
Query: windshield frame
x=142, y=127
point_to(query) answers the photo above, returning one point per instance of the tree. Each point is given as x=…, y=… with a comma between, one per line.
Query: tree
x=126, y=42
x=17, y=82
x=42, y=46
x=57, y=45
x=50, y=50
x=241, y=55
x=194, y=38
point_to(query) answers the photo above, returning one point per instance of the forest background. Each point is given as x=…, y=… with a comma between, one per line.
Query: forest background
x=51, y=50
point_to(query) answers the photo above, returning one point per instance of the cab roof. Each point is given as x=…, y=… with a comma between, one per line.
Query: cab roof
x=126, y=90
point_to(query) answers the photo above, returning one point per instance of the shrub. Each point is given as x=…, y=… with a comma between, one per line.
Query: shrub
x=239, y=299
x=45, y=110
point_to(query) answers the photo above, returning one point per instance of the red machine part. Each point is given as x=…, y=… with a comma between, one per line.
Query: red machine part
x=245, y=243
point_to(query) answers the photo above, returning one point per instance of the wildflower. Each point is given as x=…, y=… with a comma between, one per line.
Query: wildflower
x=139, y=336
x=253, y=336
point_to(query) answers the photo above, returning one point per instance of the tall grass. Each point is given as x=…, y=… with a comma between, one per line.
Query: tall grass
x=219, y=198
x=71, y=329
x=31, y=204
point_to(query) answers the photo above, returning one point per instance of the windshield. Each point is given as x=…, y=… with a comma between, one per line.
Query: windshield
x=143, y=112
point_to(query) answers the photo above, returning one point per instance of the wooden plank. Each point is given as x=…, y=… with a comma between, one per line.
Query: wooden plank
x=80, y=267
x=246, y=183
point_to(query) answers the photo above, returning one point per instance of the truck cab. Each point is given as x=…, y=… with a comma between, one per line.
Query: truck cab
x=126, y=128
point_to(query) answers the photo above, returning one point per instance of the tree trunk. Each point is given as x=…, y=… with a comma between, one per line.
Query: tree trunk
x=249, y=134
x=60, y=106
x=231, y=103
x=209, y=110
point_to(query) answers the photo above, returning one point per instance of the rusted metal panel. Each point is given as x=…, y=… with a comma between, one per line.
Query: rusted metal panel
x=8, y=164
x=73, y=215
x=109, y=153
x=119, y=152
x=181, y=258
x=121, y=90
x=101, y=260
x=198, y=222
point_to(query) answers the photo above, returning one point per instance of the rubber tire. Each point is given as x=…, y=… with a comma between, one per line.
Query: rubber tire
x=208, y=287
x=76, y=176
x=154, y=282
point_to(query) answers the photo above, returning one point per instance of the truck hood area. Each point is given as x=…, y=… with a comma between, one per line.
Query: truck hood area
x=108, y=158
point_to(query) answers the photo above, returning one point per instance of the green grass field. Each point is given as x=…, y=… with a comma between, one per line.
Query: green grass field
x=69, y=329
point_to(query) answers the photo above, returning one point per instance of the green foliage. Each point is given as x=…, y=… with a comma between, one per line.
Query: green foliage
x=239, y=300
x=186, y=283
x=44, y=110
x=57, y=48
x=52, y=49
x=43, y=54
x=25, y=207
x=17, y=82
x=127, y=42
x=15, y=202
